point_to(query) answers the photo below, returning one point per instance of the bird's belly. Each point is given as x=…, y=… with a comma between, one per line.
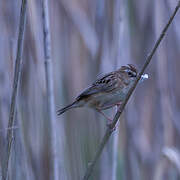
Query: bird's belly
x=106, y=100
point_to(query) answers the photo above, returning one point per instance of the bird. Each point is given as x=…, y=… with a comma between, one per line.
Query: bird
x=106, y=92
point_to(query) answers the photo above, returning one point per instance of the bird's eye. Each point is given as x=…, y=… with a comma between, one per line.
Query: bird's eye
x=131, y=74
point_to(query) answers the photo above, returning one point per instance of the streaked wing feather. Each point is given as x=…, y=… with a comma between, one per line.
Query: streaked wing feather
x=105, y=84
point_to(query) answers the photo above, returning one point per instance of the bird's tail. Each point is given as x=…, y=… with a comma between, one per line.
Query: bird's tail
x=70, y=106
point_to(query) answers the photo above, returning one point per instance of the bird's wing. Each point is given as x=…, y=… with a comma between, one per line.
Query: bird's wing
x=105, y=84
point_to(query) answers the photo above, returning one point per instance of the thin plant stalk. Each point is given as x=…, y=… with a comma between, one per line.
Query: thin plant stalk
x=117, y=36
x=50, y=88
x=17, y=74
x=115, y=155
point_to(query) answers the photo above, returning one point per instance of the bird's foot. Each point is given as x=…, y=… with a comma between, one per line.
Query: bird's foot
x=110, y=125
x=109, y=122
x=118, y=105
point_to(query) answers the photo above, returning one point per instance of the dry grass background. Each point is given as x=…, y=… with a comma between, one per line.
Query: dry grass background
x=89, y=38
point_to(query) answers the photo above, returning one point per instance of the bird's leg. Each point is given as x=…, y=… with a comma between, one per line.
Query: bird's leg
x=118, y=105
x=109, y=119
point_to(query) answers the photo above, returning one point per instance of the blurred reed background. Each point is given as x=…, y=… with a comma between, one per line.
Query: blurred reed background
x=88, y=38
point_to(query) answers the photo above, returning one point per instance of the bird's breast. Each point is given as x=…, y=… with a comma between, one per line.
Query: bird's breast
x=106, y=100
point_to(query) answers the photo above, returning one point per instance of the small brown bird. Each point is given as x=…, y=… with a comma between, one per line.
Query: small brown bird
x=106, y=92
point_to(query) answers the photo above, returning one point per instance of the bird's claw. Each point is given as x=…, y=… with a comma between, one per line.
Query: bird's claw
x=109, y=125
